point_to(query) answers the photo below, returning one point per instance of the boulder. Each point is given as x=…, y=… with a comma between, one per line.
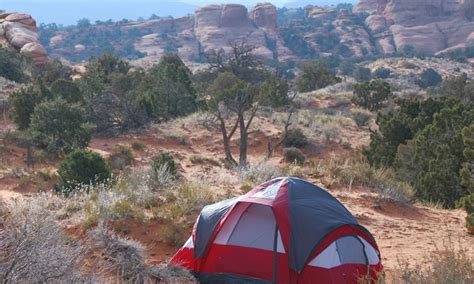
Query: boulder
x=37, y=52
x=24, y=19
x=19, y=31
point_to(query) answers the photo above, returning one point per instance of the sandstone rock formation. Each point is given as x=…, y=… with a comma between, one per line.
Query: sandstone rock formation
x=429, y=26
x=19, y=31
x=215, y=27
x=371, y=27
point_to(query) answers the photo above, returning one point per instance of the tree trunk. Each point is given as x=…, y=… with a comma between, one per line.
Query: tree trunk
x=226, y=139
x=243, y=141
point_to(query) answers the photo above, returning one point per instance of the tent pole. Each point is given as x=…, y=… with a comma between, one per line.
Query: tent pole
x=275, y=255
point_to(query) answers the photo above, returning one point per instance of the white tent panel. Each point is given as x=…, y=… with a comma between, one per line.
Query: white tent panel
x=229, y=225
x=328, y=258
x=189, y=243
x=372, y=254
x=346, y=250
x=255, y=228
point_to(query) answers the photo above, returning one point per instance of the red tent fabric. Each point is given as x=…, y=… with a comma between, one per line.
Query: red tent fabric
x=283, y=231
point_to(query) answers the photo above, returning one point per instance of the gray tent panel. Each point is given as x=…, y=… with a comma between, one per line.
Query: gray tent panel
x=351, y=250
x=208, y=219
x=314, y=213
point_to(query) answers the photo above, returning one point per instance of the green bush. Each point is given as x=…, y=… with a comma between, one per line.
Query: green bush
x=314, y=75
x=397, y=127
x=438, y=156
x=362, y=74
x=294, y=155
x=22, y=104
x=12, y=65
x=81, y=167
x=60, y=126
x=382, y=73
x=67, y=90
x=372, y=95
x=295, y=138
x=165, y=159
x=429, y=78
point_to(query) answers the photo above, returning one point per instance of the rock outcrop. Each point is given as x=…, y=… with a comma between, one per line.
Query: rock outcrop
x=215, y=27
x=371, y=27
x=19, y=31
x=428, y=26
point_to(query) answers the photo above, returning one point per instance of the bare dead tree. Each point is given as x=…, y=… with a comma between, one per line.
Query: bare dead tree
x=286, y=126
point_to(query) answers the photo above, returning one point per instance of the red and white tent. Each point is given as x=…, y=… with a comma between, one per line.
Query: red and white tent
x=283, y=231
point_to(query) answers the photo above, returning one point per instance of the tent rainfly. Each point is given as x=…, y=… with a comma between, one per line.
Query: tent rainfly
x=284, y=231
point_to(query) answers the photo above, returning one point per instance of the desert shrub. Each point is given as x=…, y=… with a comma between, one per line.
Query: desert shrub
x=12, y=65
x=382, y=73
x=121, y=157
x=165, y=160
x=457, y=87
x=314, y=75
x=60, y=126
x=67, y=90
x=127, y=255
x=361, y=117
x=397, y=127
x=438, y=156
x=34, y=248
x=362, y=74
x=294, y=155
x=357, y=171
x=330, y=132
x=259, y=173
x=81, y=167
x=448, y=264
x=372, y=95
x=138, y=146
x=22, y=104
x=274, y=92
x=295, y=138
x=168, y=92
x=429, y=78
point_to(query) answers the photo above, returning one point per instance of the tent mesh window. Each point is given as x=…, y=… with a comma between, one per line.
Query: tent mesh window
x=254, y=229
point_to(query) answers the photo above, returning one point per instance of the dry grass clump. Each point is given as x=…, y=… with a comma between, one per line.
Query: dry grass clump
x=357, y=171
x=125, y=258
x=259, y=173
x=449, y=264
x=33, y=248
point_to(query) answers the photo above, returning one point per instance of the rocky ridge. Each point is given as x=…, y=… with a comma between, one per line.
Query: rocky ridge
x=19, y=31
x=371, y=27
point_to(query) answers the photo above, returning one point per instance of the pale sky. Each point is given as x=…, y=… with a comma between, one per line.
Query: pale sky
x=67, y=12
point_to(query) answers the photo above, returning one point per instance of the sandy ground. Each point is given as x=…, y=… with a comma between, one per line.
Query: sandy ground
x=403, y=233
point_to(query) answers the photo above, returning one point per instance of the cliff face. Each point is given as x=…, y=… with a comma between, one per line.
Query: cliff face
x=429, y=26
x=19, y=31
